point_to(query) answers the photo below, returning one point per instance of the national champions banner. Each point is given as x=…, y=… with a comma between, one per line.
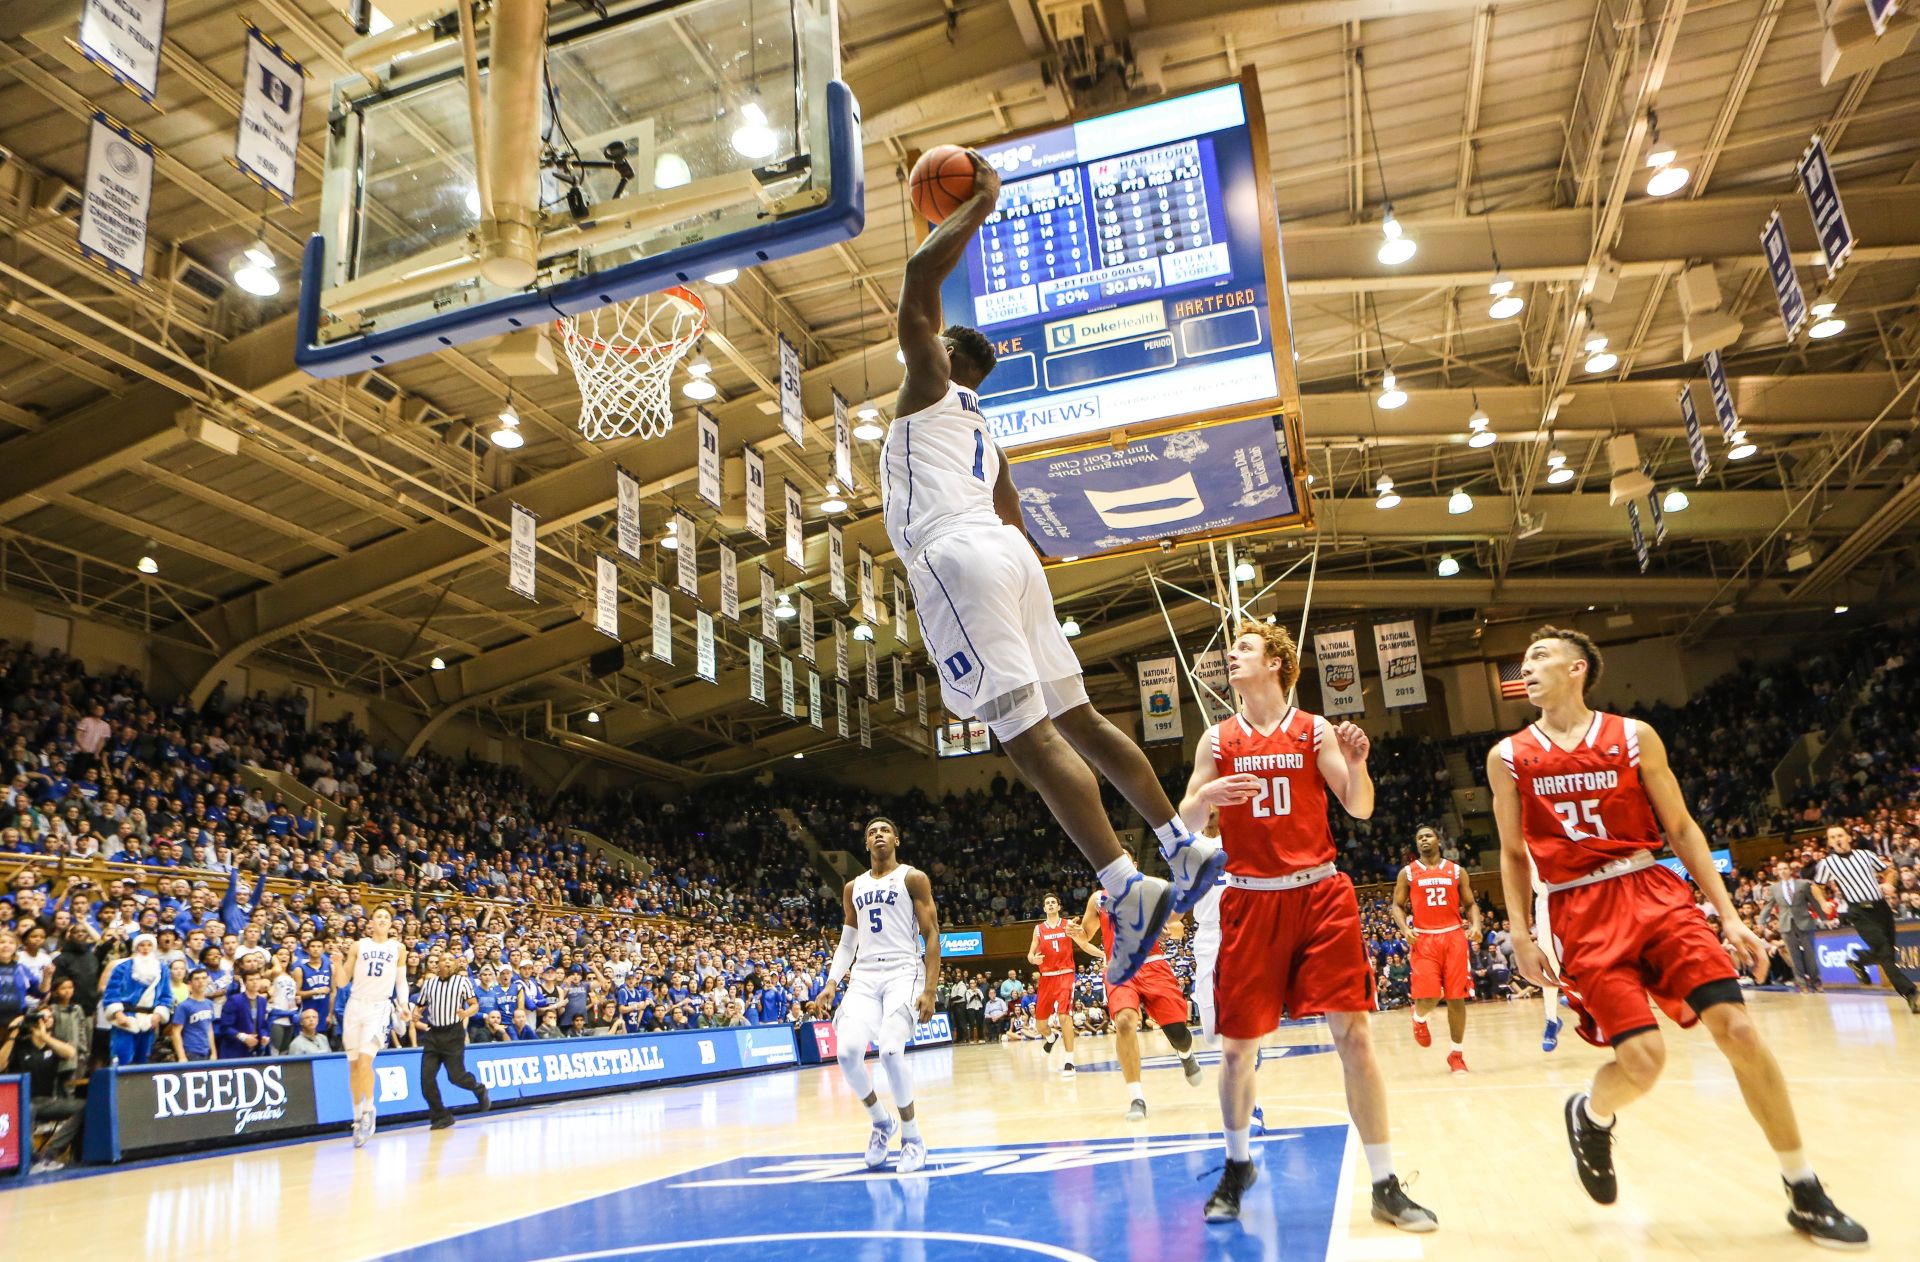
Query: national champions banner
x=1159, y=700
x=1397, y=648
x=1338, y=660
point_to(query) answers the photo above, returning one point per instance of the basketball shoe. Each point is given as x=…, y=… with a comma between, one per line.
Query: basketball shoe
x=1814, y=1214
x=1550, y=1039
x=1137, y=1111
x=1224, y=1205
x=1392, y=1205
x=1457, y=1062
x=880, y=1140
x=1196, y=864
x=913, y=1155
x=1259, y=1126
x=1138, y=915
x=1592, y=1146
x=1190, y=1065
x=1421, y=1034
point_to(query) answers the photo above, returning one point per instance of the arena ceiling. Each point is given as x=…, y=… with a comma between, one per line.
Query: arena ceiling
x=356, y=530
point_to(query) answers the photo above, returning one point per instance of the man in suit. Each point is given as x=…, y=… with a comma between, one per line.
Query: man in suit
x=1789, y=902
x=242, y=1029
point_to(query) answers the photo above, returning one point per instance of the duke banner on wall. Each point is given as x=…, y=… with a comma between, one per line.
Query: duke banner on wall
x=1159, y=700
x=1338, y=661
x=796, y=528
x=521, y=548
x=836, y=563
x=113, y=210
x=606, y=595
x=686, y=557
x=756, y=472
x=268, y=148
x=704, y=664
x=729, y=584
x=1398, y=650
x=757, y=669
x=123, y=38
x=709, y=475
x=769, y=621
x=806, y=629
x=793, y=413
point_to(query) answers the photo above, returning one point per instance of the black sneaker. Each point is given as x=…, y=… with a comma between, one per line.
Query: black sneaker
x=440, y=1123
x=1224, y=1205
x=1814, y=1215
x=1860, y=971
x=1592, y=1151
x=1047, y=1047
x=486, y=1101
x=1913, y=1003
x=1392, y=1205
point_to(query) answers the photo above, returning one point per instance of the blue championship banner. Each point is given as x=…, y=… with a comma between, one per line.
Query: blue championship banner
x=1823, y=205
x=1222, y=477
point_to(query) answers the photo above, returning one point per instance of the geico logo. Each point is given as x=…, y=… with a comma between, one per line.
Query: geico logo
x=218, y=1091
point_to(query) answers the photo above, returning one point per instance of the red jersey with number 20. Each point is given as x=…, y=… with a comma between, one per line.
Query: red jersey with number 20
x=1583, y=808
x=1282, y=828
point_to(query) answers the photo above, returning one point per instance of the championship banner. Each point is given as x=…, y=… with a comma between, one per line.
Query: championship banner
x=836, y=563
x=521, y=550
x=920, y=686
x=1880, y=12
x=899, y=608
x=626, y=512
x=873, y=674
x=1639, y=537
x=729, y=584
x=1397, y=648
x=796, y=528
x=1657, y=513
x=793, y=413
x=866, y=727
x=1823, y=205
x=686, y=556
x=662, y=624
x=1786, y=282
x=1159, y=700
x=271, y=98
x=899, y=686
x=756, y=670
x=703, y=654
x=1722, y=396
x=1338, y=661
x=1087, y=502
x=606, y=595
x=842, y=667
x=119, y=194
x=806, y=629
x=1696, y=441
x=840, y=711
x=787, y=706
x=842, y=443
x=814, y=714
x=123, y=38
x=709, y=430
x=756, y=468
x=1216, y=698
x=869, y=609
x=769, y=621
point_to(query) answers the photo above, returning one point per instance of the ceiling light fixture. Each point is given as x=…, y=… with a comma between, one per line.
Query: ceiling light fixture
x=1825, y=323
x=254, y=271
x=1387, y=496
x=1676, y=501
x=1479, y=426
x=1244, y=572
x=1558, y=473
x=147, y=565
x=754, y=138
x=508, y=435
x=593, y=716
x=1668, y=177
x=670, y=170
x=1391, y=395
x=725, y=276
x=1599, y=358
x=438, y=663
x=868, y=430
x=1448, y=567
x=1069, y=628
x=1459, y=503
x=783, y=608
x=832, y=503
x=862, y=632
x=1506, y=304
x=1839, y=608
x=671, y=540
x=1395, y=247
x=1742, y=446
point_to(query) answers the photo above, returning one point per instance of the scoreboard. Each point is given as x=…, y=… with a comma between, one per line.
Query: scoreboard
x=1124, y=275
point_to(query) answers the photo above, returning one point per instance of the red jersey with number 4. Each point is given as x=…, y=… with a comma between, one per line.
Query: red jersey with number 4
x=1435, y=895
x=1582, y=808
x=1056, y=948
x=1282, y=828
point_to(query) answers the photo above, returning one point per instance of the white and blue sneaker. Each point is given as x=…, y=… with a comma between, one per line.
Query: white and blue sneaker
x=913, y=1155
x=1259, y=1123
x=363, y=1127
x=881, y=1140
x=1551, y=1038
x=1197, y=865
x=1138, y=915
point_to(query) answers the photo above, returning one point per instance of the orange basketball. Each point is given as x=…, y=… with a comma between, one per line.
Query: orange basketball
x=941, y=180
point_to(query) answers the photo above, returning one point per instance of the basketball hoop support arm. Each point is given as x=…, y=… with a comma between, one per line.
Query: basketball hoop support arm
x=476, y=109
x=510, y=236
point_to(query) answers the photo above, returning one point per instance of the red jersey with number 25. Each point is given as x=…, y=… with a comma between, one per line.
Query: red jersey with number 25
x=1582, y=808
x=1282, y=828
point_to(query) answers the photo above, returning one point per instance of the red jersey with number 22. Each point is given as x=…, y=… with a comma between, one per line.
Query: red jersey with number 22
x=1581, y=808
x=1282, y=828
x=1434, y=893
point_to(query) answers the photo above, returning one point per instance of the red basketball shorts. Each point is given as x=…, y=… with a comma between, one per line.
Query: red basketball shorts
x=1053, y=995
x=1155, y=989
x=1623, y=939
x=1440, y=966
x=1296, y=952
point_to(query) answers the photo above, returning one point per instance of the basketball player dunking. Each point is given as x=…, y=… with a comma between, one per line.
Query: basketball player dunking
x=1052, y=954
x=891, y=942
x=377, y=977
x=1437, y=890
x=1156, y=990
x=986, y=612
x=1290, y=936
x=1588, y=797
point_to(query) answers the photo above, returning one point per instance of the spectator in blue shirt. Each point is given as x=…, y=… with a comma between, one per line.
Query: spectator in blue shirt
x=191, y=1026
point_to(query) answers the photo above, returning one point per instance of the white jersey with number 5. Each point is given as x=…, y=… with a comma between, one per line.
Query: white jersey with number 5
x=889, y=932
x=937, y=471
x=376, y=972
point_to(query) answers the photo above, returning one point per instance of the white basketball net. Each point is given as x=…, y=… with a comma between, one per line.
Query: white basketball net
x=623, y=358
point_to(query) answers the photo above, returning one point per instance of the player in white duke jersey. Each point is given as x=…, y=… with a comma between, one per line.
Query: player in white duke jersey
x=376, y=975
x=891, y=943
x=986, y=613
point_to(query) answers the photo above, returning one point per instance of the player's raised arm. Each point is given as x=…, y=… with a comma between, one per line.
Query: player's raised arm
x=920, y=890
x=1343, y=765
x=1516, y=872
x=1690, y=844
x=919, y=320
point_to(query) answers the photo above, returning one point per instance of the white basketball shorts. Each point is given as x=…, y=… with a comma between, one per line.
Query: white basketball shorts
x=878, y=1008
x=363, y=1028
x=1206, y=954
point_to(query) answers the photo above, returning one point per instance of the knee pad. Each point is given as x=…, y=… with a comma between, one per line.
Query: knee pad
x=1062, y=695
x=1012, y=713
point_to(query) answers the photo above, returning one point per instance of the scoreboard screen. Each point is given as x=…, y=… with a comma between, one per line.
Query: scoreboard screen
x=1123, y=276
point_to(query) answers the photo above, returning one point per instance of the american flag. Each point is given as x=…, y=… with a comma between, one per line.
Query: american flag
x=1511, y=685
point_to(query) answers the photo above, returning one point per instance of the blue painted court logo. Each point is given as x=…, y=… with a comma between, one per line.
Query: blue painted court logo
x=1069, y=1201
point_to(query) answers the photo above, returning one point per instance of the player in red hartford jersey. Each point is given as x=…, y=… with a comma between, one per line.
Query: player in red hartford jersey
x=1290, y=939
x=1588, y=797
x=1052, y=954
x=1437, y=889
x=1153, y=989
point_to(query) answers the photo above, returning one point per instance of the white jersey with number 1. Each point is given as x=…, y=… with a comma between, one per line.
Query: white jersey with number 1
x=937, y=470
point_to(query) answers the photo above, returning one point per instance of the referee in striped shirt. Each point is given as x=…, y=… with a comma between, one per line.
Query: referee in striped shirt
x=1863, y=878
x=447, y=1002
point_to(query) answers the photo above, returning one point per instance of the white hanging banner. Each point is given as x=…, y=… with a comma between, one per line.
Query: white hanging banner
x=1823, y=205
x=626, y=512
x=703, y=655
x=769, y=622
x=119, y=194
x=756, y=670
x=866, y=727
x=1397, y=648
x=1338, y=661
x=1216, y=698
x=899, y=686
x=521, y=551
x=686, y=556
x=1786, y=282
x=709, y=430
x=920, y=685
x=807, y=651
x=1640, y=551
x=787, y=706
x=271, y=98
x=816, y=713
x=756, y=494
x=868, y=597
x=606, y=595
x=899, y=609
x=729, y=584
x=840, y=711
x=1880, y=12
x=842, y=443
x=873, y=674
x=1654, y=510
x=796, y=528
x=836, y=564
x=123, y=38
x=793, y=412
x=1159, y=700
x=662, y=624
x=842, y=667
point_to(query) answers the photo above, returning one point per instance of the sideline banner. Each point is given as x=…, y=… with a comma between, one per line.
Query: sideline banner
x=1159, y=700
x=1832, y=948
